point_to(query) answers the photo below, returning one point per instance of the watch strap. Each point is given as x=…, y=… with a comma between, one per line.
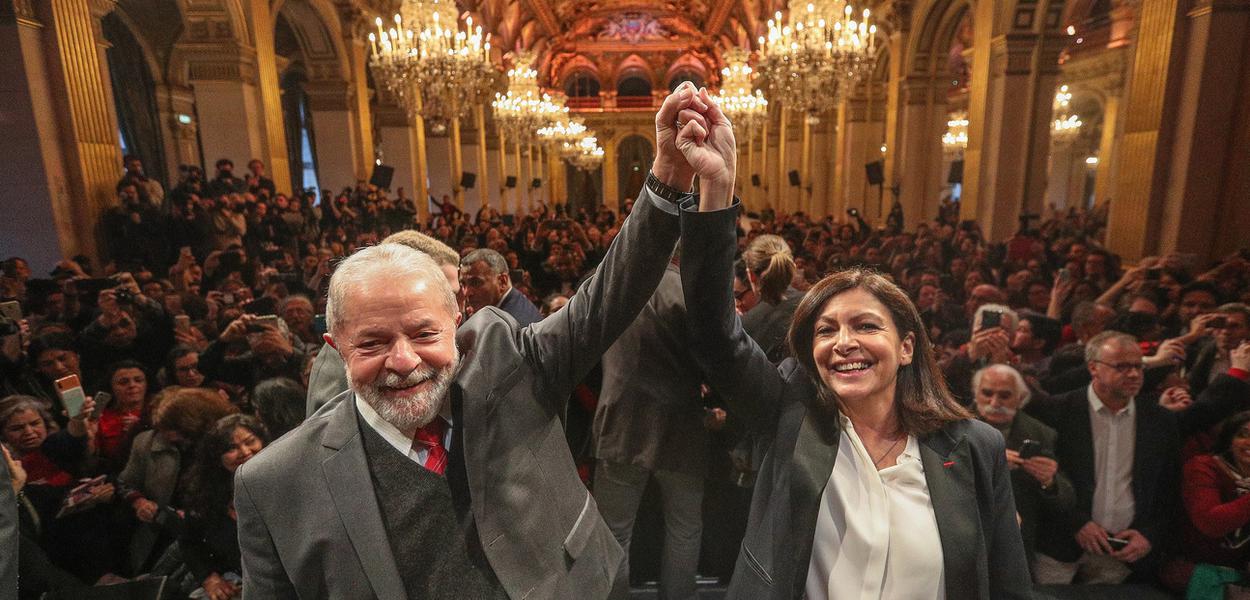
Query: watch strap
x=664, y=190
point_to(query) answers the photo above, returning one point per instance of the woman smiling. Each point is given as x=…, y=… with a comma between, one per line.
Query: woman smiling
x=878, y=484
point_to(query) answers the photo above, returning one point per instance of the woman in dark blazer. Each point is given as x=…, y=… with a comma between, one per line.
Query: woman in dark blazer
x=877, y=484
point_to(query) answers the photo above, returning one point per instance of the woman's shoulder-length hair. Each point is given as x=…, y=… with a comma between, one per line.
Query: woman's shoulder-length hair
x=924, y=402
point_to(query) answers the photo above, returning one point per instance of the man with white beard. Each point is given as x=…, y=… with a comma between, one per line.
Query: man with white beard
x=1036, y=481
x=443, y=471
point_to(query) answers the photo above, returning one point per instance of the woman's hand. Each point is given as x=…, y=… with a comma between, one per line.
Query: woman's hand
x=670, y=165
x=217, y=588
x=1138, y=546
x=145, y=510
x=707, y=141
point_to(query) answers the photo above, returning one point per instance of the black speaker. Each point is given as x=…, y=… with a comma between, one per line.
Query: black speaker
x=381, y=177
x=794, y=178
x=956, y=174
x=755, y=180
x=467, y=179
x=537, y=183
x=510, y=181
x=875, y=172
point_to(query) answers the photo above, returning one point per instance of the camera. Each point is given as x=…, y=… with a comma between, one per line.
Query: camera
x=123, y=296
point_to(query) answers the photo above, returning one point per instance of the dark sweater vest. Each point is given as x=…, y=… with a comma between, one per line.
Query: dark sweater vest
x=430, y=529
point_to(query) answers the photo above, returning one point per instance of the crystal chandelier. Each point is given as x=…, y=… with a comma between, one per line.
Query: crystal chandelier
x=524, y=108
x=589, y=155
x=956, y=137
x=428, y=63
x=1067, y=125
x=745, y=109
x=824, y=50
x=563, y=135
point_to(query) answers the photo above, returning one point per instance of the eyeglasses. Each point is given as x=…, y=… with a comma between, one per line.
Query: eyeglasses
x=739, y=294
x=1123, y=368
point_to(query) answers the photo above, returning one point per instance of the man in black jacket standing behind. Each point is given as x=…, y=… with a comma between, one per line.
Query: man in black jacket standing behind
x=1123, y=457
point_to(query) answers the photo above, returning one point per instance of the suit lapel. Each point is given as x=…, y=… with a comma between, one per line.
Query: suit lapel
x=949, y=473
x=815, y=450
x=346, y=472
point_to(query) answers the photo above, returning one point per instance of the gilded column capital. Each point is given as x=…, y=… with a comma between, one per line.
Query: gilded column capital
x=19, y=11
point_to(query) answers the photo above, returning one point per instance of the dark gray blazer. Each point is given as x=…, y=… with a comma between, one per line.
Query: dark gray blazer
x=964, y=462
x=649, y=413
x=309, y=524
x=9, y=534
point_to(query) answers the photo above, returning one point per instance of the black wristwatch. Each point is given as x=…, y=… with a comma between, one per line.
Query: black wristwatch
x=664, y=190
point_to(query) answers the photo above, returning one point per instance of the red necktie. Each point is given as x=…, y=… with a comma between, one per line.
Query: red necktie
x=430, y=439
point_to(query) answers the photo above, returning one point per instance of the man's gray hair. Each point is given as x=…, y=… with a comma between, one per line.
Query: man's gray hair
x=1093, y=348
x=384, y=264
x=1235, y=308
x=285, y=302
x=493, y=259
x=1007, y=313
x=1022, y=388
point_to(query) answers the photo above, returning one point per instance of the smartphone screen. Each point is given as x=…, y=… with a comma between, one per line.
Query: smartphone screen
x=102, y=400
x=990, y=319
x=72, y=395
x=182, y=323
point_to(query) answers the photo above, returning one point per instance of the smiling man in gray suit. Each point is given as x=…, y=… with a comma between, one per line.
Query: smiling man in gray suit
x=444, y=472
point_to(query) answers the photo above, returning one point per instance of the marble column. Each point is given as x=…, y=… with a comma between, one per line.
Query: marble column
x=261, y=72
x=1005, y=163
x=61, y=149
x=611, y=179
x=336, y=135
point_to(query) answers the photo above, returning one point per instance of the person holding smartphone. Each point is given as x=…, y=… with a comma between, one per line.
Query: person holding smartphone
x=79, y=540
x=1038, y=483
x=1215, y=489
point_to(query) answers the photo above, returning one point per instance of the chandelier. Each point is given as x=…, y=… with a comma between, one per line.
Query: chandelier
x=824, y=50
x=745, y=109
x=956, y=137
x=1067, y=125
x=428, y=63
x=524, y=108
x=563, y=135
x=589, y=155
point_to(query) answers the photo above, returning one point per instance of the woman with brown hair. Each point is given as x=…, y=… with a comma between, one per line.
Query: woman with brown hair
x=159, y=458
x=878, y=484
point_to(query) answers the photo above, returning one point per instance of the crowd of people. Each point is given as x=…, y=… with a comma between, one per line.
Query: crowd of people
x=1120, y=390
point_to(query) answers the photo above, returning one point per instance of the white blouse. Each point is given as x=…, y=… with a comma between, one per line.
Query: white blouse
x=876, y=534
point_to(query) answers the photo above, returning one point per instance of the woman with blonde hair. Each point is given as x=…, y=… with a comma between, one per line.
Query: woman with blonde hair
x=770, y=269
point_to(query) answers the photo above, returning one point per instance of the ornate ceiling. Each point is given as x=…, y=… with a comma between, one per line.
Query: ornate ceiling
x=610, y=37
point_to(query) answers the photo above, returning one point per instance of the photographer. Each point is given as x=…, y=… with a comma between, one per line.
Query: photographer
x=251, y=349
x=129, y=326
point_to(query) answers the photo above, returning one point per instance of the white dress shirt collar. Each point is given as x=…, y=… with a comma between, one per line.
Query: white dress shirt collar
x=393, y=436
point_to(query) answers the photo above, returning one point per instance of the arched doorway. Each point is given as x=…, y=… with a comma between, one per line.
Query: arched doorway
x=134, y=98
x=634, y=155
x=585, y=189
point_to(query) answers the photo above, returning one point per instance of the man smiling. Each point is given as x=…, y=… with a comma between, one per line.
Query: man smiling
x=445, y=473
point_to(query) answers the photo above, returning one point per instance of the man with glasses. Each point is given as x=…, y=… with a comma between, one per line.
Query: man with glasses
x=1123, y=458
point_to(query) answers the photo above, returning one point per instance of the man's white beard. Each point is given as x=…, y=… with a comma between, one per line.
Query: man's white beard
x=412, y=411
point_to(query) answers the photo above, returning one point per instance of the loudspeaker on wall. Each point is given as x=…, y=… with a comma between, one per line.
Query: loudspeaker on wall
x=875, y=172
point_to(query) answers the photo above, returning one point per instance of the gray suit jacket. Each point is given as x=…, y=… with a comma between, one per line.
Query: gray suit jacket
x=650, y=413
x=309, y=524
x=153, y=469
x=965, y=463
x=9, y=534
x=327, y=379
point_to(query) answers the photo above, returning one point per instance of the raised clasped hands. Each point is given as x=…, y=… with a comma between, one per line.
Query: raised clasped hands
x=694, y=138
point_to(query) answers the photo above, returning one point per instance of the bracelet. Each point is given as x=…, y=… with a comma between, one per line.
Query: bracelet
x=664, y=190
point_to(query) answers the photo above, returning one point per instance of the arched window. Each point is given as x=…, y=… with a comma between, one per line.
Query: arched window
x=683, y=76
x=634, y=83
x=582, y=85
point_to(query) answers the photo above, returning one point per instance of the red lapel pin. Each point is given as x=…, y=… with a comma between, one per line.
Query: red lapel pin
x=948, y=464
